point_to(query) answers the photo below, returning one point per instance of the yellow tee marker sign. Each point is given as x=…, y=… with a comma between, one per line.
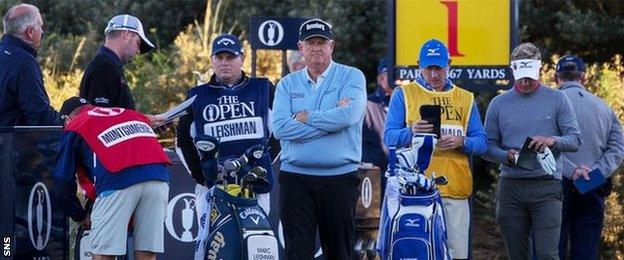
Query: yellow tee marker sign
x=476, y=32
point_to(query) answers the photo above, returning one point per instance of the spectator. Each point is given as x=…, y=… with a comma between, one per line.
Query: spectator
x=530, y=198
x=602, y=148
x=119, y=152
x=317, y=116
x=295, y=61
x=23, y=98
x=462, y=136
x=373, y=149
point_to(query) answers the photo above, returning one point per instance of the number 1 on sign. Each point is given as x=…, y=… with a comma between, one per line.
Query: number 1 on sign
x=451, y=7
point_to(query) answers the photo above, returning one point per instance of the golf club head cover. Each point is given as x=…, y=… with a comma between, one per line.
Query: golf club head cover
x=419, y=155
x=208, y=148
x=416, y=178
x=547, y=161
x=254, y=153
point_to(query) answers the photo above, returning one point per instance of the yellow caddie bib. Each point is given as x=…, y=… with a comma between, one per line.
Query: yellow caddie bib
x=456, y=108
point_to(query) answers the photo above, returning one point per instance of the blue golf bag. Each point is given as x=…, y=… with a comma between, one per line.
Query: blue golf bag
x=232, y=225
x=418, y=230
x=238, y=229
x=412, y=219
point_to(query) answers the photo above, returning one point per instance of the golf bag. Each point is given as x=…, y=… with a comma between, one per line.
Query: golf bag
x=233, y=225
x=238, y=229
x=412, y=219
x=418, y=230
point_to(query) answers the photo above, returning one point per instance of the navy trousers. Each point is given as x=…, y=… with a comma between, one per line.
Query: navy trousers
x=582, y=222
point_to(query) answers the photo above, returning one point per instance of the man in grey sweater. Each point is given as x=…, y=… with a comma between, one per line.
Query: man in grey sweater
x=529, y=201
x=602, y=148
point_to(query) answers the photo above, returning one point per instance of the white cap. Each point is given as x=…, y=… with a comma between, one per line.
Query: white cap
x=129, y=23
x=526, y=68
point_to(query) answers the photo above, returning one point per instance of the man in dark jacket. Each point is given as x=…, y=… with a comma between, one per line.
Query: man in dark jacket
x=23, y=99
x=103, y=83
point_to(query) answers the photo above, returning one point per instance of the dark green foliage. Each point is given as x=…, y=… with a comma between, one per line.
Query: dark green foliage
x=592, y=29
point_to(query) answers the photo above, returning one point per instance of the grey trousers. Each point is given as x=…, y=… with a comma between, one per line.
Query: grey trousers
x=529, y=211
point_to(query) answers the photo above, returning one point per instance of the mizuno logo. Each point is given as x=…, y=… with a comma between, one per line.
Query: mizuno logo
x=412, y=223
x=433, y=52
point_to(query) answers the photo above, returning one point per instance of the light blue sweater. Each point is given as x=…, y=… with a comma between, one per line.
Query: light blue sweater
x=330, y=143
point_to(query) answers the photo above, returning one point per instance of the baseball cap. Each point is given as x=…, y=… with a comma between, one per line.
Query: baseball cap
x=228, y=43
x=71, y=104
x=383, y=66
x=570, y=63
x=315, y=28
x=129, y=23
x=526, y=68
x=433, y=52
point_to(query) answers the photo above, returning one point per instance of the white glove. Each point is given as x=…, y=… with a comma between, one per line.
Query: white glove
x=547, y=161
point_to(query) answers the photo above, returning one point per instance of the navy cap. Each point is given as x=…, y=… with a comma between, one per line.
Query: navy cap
x=570, y=63
x=129, y=23
x=315, y=28
x=227, y=43
x=71, y=104
x=383, y=66
x=433, y=52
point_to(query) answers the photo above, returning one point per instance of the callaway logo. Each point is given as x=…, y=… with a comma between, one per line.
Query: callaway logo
x=315, y=26
x=226, y=42
x=257, y=154
x=205, y=146
x=251, y=212
x=413, y=222
x=433, y=52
